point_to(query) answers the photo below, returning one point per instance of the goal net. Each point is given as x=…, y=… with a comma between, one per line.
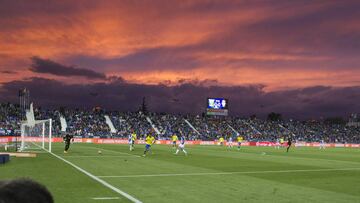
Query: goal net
x=36, y=135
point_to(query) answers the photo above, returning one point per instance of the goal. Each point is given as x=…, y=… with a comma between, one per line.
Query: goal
x=36, y=135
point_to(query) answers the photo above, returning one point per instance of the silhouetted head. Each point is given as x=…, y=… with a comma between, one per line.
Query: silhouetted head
x=24, y=191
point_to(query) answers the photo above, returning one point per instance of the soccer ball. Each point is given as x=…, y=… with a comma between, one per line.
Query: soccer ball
x=99, y=152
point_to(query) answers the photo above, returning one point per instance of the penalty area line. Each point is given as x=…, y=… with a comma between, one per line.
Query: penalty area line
x=231, y=173
x=104, y=183
x=109, y=150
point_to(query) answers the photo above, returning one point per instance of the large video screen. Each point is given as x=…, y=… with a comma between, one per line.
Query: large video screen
x=217, y=106
x=217, y=103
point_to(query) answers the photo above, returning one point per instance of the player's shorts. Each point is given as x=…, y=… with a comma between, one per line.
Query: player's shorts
x=174, y=142
x=131, y=142
x=239, y=143
x=147, y=146
x=182, y=146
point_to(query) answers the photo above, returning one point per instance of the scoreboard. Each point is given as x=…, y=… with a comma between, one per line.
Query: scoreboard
x=217, y=107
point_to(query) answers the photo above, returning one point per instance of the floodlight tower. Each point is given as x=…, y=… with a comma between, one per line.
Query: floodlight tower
x=24, y=101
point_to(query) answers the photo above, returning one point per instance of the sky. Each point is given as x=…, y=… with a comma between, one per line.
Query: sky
x=299, y=58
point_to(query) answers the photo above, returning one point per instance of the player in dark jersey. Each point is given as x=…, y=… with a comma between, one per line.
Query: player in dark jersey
x=67, y=138
x=289, y=144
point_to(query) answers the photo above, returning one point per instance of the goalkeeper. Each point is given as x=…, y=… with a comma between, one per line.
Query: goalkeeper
x=67, y=138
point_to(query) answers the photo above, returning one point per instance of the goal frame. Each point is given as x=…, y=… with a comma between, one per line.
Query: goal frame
x=42, y=122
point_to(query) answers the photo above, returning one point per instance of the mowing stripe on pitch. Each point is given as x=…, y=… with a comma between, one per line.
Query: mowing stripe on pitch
x=109, y=150
x=231, y=173
x=106, y=184
x=35, y=151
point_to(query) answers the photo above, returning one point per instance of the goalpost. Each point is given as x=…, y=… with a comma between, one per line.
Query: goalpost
x=36, y=135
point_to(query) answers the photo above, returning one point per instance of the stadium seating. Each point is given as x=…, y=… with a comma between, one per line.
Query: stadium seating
x=91, y=123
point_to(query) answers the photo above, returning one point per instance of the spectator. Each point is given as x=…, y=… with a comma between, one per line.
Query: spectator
x=24, y=191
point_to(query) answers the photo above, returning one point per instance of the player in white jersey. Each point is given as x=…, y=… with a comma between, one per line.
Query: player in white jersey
x=322, y=144
x=277, y=143
x=181, y=146
x=230, y=142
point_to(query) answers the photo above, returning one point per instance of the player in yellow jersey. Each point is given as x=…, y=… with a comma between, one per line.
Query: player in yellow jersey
x=282, y=142
x=149, y=140
x=174, y=138
x=133, y=139
x=239, y=140
x=221, y=140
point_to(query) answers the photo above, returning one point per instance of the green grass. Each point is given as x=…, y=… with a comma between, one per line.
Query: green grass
x=215, y=174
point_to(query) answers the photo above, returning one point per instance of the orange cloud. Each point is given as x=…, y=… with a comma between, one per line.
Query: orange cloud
x=219, y=36
x=272, y=79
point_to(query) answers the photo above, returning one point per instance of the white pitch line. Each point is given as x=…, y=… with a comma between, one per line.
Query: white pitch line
x=105, y=198
x=131, y=198
x=231, y=173
x=106, y=184
x=74, y=156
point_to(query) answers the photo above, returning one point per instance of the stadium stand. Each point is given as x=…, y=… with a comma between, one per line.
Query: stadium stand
x=91, y=123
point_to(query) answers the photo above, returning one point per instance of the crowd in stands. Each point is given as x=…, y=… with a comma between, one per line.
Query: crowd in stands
x=91, y=123
x=129, y=122
x=168, y=125
x=10, y=119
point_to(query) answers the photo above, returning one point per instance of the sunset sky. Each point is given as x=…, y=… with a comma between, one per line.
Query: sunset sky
x=299, y=58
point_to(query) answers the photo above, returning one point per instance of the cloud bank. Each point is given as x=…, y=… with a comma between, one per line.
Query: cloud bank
x=189, y=98
x=40, y=65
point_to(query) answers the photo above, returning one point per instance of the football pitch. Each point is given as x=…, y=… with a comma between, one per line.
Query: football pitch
x=207, y=174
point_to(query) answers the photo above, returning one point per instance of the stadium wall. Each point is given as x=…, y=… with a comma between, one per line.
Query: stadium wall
x=168, y=142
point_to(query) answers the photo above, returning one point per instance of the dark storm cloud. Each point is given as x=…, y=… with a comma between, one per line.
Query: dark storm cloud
x=312, y=102
x=40, y=65
x=165, y=58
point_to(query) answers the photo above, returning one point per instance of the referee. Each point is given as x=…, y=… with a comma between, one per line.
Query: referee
x=289, y=144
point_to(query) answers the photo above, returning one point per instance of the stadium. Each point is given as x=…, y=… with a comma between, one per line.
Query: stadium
x=325, y=156
x=179, y=101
